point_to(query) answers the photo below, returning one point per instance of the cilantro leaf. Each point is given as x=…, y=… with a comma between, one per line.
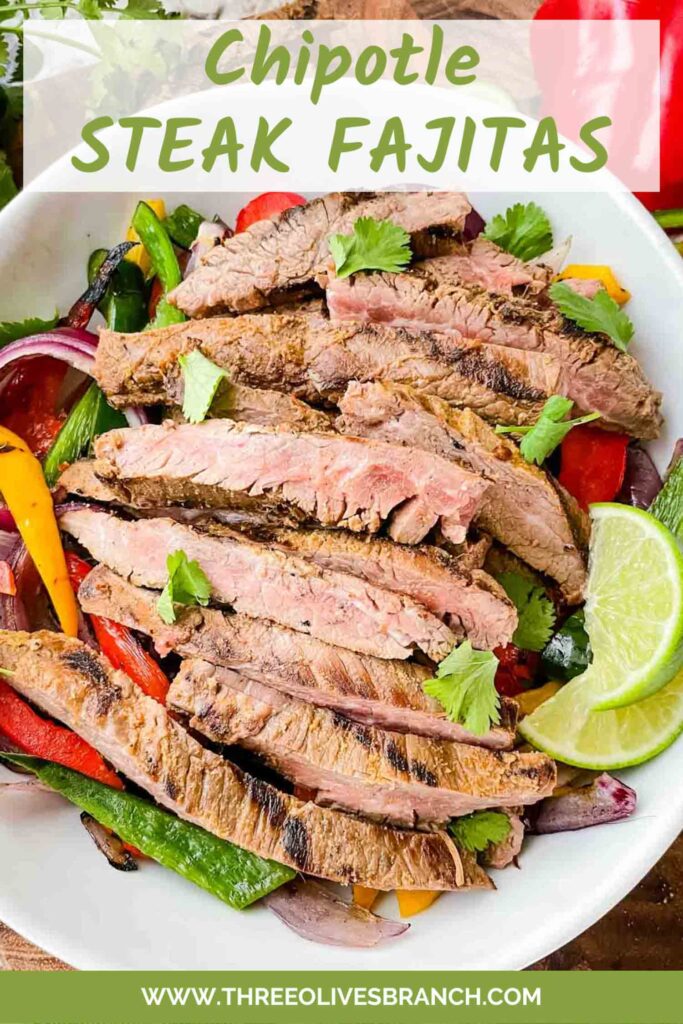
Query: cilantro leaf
x=12, y=330
x=549, y=430
x=601, y=314
x=535, y=610
x=187, y=585
x=201, y=378
x=464, y=686
x=475, y=832
x=523, y=230
x=374, y=245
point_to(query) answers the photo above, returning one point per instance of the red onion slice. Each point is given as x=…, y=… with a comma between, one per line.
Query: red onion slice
x=314, y=913
x=642, y=482
x=604, y=800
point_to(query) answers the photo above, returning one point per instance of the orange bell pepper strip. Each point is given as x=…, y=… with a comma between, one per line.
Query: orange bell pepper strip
x=532, y=699
x=28, y=498
x=35, y=735
x=364, y=897
x=597, y=272
x=414, y=901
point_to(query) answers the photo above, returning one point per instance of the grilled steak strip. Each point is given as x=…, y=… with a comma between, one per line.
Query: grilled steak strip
x=315, y=360
x=522, y=509
x=267, y=408
x=384, y=693
x=592, y=371
x=471, y=603
x=276, y=257
x=258, y=581
x=403, y=780
x=324, y=479
x=133, y=731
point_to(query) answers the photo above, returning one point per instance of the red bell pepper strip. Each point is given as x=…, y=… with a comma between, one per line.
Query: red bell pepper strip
x=8, y=584
x=516, y=669
x=265, y=206
x=118, y=644
x=593, y=464
x=670, y=15
x=35, y=735
x=30, y=402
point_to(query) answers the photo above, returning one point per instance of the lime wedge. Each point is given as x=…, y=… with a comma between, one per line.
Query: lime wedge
x=568, y=730
x=634, y=607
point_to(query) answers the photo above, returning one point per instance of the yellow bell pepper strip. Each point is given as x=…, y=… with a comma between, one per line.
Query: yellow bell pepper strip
x=414, y=901
x=364, y=897
x=28, y=498
x=532, y=699
x=597, y=272
x=139, y=254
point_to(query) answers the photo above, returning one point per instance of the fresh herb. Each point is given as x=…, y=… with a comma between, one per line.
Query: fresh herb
x=535, y=610
x=668, y=505
x=476, y=832
x=464, y=686
x=91, y=416
x=183, y=225
x=187, y=585
x=232, y=874
x=601, y=314
x=201, y=379
x=550, y=429
x=568, y=652
x=374, y=245
x=12, y=331
x=523, y=230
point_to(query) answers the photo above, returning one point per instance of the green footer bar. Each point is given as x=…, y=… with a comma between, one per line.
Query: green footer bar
x=335, y=997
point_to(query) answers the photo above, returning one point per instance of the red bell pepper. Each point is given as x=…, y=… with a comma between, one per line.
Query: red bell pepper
x=8, y=584
x=35, y=735
x=670, y=15
x=119, y=645
x=266, y=205
x=593, y=463
x=516, y=669
x=30, y=402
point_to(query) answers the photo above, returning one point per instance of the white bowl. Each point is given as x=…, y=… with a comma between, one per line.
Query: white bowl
x=60, y=893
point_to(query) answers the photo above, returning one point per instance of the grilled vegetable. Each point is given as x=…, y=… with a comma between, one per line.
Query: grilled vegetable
x=109, y=844
x=265, y=206
x=124, y=304
x=81, y=312
x=414, y=901
x=26, y=494
x=91, y=416
x=668, y=505
x=226, y=871
x=183, y=225
x=164, y=261
x=605, y=799
x=139, y=253
x=593, y=464
x=596, y=272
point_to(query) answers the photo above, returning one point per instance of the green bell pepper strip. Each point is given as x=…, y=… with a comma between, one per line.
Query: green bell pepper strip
x=124, y=305
x=183, y=225
x=91, y=416
x=233, y=875
x=156, y=241
x=668, y=505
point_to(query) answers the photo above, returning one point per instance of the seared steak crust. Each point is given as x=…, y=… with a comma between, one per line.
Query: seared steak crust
x=315, y=360
x=258, y=581
x=136, y=734
x=403, y=780
x=369, y=690
x=522, y=509
x=275, y=258
x=433, y=297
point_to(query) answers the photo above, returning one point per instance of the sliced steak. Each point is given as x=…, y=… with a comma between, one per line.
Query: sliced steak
x=315, y=360
x=267, y=408
x=523, y=510
x=135, y=733
x=370, y=690
x=471, y=603
x=500, y=855
x=591, y=370
x=321, y=478
x=402, y=780
x=264, y=583
x=484, y=264
x=274, y=258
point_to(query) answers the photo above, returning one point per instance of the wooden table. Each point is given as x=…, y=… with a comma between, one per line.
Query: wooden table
x=644, y=932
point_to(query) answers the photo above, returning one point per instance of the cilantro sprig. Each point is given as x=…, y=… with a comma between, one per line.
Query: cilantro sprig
x=187, y=585
x=601, y=314
x=477, y=831
x=374, y=245
x=464, y=686
x=550, y=429
x=201, y=379
x=13, y=330
x=523, y=230
x=535, y=610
